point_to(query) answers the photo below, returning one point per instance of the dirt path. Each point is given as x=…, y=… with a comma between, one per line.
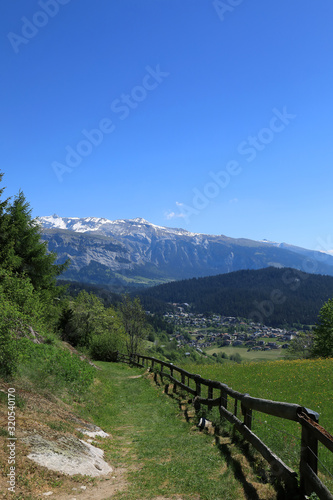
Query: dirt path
x=104, y=488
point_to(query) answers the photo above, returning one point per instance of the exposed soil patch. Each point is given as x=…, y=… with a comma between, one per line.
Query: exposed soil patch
x=103, y=489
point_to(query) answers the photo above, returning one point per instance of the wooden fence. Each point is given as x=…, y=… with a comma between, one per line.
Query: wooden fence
x=238, y=412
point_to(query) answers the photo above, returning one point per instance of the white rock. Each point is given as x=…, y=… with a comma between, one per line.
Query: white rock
x=96, y=432
x=68, y=455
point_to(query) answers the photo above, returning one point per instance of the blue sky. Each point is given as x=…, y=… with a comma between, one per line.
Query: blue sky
x=211, y=116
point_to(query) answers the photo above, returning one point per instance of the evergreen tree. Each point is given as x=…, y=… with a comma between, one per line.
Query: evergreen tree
x=30, y=256
x=6, y=248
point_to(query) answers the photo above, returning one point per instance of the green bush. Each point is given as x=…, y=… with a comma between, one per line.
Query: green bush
x=18, y=298
x=236, y=357
x=8, y=353
x=21, y=309
x=103, y=347
x=85, y=319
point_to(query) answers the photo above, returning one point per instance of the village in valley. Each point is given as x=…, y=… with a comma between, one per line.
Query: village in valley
x=204, y=333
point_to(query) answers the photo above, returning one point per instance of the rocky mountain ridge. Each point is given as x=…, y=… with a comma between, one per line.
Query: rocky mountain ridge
x=137, y=252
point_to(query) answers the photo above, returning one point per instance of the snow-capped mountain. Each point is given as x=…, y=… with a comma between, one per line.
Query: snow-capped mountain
x=136, y=251
x=106, y=226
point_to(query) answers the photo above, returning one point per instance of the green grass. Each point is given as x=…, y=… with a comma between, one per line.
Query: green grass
x=308, y=383
x=165, y=454
x=246, y=355
x=4, y=432
x=49, y=367
x=142, y=280
x=61, y=426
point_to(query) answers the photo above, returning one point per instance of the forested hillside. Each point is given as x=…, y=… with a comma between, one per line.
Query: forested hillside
x=272, y=296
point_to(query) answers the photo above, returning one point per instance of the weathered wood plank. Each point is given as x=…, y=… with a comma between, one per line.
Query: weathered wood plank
x=208, y=402
x=318, y=431
x=314, y=484
x=276, y=408
x=180, y=384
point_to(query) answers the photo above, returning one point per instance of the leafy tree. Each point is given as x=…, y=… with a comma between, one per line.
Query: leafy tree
x=134, y=321
x=236, y=357
x=323, y=332
x=82, y=319
x=300, y=346
x=187, y=336
x=85, y=322
x=20, y=293
x=151, y=335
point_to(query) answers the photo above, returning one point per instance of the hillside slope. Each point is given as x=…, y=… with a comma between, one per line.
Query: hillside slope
x=271, y=296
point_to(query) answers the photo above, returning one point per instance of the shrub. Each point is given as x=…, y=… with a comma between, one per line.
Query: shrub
x=236, y=357
x=103, y=347
x=85, y=319
x=21, y=310
x=8, y=353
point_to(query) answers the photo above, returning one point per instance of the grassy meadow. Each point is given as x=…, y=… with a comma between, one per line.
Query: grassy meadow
x=308, y=383
x=247, y=355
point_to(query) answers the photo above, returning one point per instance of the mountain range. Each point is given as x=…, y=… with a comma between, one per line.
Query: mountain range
x=135, y=252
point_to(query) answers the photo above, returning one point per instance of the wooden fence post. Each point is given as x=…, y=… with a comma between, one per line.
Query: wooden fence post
x=174, y=389
x=210, y=396
x=224, y=399
x=197, y=390
x=247, y=413
x=309, y=453
x=161, y=373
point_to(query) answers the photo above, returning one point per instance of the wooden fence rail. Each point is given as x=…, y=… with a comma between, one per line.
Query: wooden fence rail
x=312, y=432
